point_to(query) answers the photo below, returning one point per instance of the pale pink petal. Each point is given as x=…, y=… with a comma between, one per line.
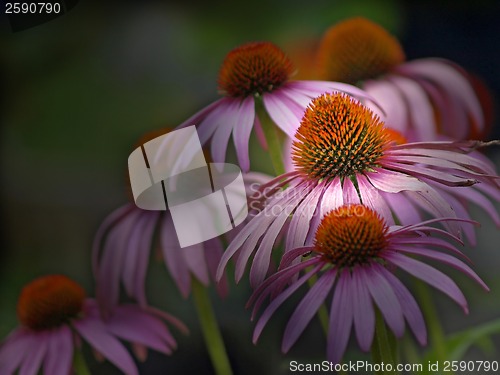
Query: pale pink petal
x=394, y=182
x=395, y=113
x=286, y=118
x=349, y=193
x=332, y=198
x=449, y=80
x=213, y=253
x=259, y=132
x=373, y=199
x=419, y=106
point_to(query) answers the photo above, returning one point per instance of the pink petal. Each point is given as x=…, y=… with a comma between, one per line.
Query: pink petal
x=341, y=318
x=94, y=331
x=173, y=256
x=394, y=182
x=273, y=306
x=364, y=314
x=431, y=276
x=35, y=353
x=374, y=200
x=59, y=352
x=284, y=114
x=391, y=100
x=419, y=106
x=410, y=308
x=227, y=121
x=242, y=130
x=307, y=308
x=384, y=297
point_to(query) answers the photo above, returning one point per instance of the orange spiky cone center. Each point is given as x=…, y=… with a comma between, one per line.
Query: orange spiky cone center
x=50, y=301
x=338, y=136
x=254, y=68
x=350, y=235
x=357, y=49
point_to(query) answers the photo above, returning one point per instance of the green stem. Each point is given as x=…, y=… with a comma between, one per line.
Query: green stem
x=210, y=328
x=435, y=329
x=79, y=364
x=384, y=348
x=271, y=133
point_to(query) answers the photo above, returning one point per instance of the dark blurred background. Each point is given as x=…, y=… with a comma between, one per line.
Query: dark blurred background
x=78, y=91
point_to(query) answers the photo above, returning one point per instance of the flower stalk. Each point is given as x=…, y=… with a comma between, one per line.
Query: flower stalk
x=211, y=333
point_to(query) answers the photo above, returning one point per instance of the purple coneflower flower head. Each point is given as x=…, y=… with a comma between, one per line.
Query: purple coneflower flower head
x=122, y=249
x=355, y=255
x=56, y=316
x=343, y=154
x=420, y=98
x=250, y=71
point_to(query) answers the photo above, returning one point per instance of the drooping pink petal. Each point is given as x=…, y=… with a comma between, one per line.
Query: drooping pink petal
x=96, y=334
x=194, y=257
x=307, y=308
x=35, y=353
x=420, y=108
x=384, y=297
x=13, y=350
x=109, y=222
x=242, y=130
x=213, y=253
x=446, y=259
x=130, y=323
x=275, y=283
x=301, y=219
x=220, y=138
x=262, y=256
x=341, y=318
x=141, y=267
x=275, y=303
x=410, y=308
x=439, y=176
x=428, y=242
x=174, y=259
x=449, y=80
x=362, y=307
x=390, y=99
x=431, y=276
x=59, y=352
x=406, y=212
x=108, y=277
